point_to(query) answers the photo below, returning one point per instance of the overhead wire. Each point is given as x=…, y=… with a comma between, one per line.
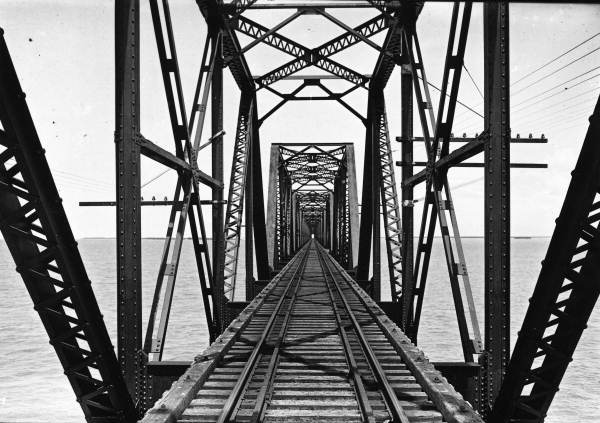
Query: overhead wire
x=468, y=125
x=557, y=86
x=546, y=65
x=457, y=100
x=578, y=118
x=556, y=70
x=154, y=178
x=559, y=92
x=555, y=59
x=458, y=186
x=91, y=181
x=65, y=182
x=473, y=81
x=558, y=104
x=517, y=117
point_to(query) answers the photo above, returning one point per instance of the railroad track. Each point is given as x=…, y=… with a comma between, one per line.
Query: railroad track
x=312, y=347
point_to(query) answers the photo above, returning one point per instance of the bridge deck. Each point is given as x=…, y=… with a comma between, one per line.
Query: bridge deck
x=312, y=347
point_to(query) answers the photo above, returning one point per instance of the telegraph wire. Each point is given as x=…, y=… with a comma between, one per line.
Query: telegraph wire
x=555, y=59
x=561, y=103
x=473, y=81
x=557, y=86
x=545, y=118
x=458, y=186
x=557, y=70
x=547, y=64
x=81, y=186
x=547, y=124
x=567, y=89
x=154, y=178
x=580, y=118
x=560, y=92
x=85, y=179
x=457, y=100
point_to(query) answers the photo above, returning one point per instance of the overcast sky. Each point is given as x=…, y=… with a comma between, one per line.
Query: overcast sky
x=64, y=54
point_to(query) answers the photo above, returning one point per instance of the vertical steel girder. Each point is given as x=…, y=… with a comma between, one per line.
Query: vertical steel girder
x=406, y=105
x=370, y=207
x=367, y=209
x=374, y=126
x=217, y=172
x=129, y=252
x=564, y=296
x=341, y=208
x=38, y=235
x=274, y=164
x=438, y=200
x=263, y=271
x=352, y=203
x=284, y=210
x=256, y=237
x=249, y=211
x=497, y=201
x=235, y=202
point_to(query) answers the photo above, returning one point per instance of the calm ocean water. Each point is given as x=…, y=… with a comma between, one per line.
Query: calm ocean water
x=34, y=389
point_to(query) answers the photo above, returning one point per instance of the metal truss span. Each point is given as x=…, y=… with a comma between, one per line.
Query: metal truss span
x=332, y=355
x=36, y=230
x=312, y=192
x=564, y=297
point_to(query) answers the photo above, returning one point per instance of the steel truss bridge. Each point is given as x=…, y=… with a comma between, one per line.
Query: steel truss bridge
x=313, y=340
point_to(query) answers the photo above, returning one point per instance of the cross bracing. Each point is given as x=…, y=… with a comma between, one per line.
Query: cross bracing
x=312, y=194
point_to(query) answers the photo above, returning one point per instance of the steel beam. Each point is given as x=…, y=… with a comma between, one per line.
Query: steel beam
x=564, y=297
x=366, y=209
x=164, y=157
x=389, y=202
x=272, y=206
x=142, y=203
x=352, y=203
x=237, y=188
x=438, y=199
x=376, y=202
x=128, y=212
x=263, y=272
x=235, y=61
x=514, y=140
x=338, y=4
x=249, y=208
x=37, y=233
x=187, y=183
x=318, y=56
x=480, y=164
x=406, y=105
x=497, y=200
x=217, y=172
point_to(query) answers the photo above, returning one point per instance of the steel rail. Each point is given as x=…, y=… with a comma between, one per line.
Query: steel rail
x=257, y=413
x=398, y=413
x=235, y=396
x=450, y=404
x=363, y=399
